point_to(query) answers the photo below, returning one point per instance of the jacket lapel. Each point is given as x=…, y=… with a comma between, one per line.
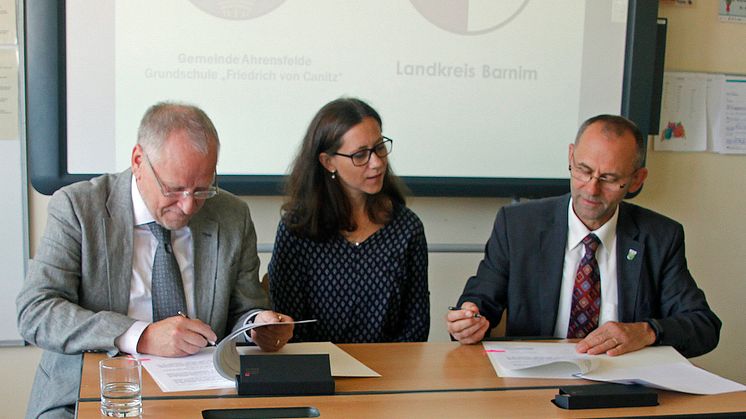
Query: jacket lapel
x=205, y=242
x=552, y=242
x=629, y=256
x=117, y=226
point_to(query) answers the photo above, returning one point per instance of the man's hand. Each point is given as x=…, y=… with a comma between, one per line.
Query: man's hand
x=175, y=336
x=466, y=325
x=272, y=338
x=614, y=338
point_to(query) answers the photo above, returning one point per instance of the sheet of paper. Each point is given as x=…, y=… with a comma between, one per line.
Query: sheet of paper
x=732, y=11
x=7, y=22
x=226, y=360
x=659, y=366
x=685, y=378
x=252, y=326
x=342, y=363
x=537, y=359
x=715, y=83
x=683, y=113
x=8, y=93
x=189, y=373
x=731, y=116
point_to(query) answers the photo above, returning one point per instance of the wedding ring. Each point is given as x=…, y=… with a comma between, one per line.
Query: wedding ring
x=277, y=343
x=616, y=342
x=279, y=318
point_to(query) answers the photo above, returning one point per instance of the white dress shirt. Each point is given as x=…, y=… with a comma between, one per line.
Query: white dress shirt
x=144, y=245
x=606, y=258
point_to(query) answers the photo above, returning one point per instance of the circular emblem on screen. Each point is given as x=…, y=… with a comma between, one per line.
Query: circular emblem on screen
x=469, y=17
x=237, y=9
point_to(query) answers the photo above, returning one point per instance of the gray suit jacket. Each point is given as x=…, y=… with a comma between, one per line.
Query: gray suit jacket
x=522, y=272
x=76, y=294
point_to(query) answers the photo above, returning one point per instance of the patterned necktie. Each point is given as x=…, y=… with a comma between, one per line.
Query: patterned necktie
x=166, y=287
x=586, y=295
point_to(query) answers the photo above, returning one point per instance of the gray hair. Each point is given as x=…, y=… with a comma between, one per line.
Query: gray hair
x=164, y=117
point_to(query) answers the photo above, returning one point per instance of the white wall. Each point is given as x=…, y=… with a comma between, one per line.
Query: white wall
x=701, y=190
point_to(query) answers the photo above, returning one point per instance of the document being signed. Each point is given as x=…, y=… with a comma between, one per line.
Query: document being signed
x=659, y=367
x=200, y=372
x=538, y=360
x=189, y=373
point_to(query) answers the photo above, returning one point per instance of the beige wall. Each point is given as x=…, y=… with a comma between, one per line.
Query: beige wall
x=704, y=191
x=18, y=366
x=701, y=190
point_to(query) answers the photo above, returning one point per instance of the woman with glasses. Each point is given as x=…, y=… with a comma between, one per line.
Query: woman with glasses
x=348, y=252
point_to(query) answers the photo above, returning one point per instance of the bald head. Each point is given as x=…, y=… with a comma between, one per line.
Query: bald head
x=617, y=126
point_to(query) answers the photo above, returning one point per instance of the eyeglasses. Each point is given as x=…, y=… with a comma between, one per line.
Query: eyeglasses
x=584, y=175
x=198, y=194
x=362, y=157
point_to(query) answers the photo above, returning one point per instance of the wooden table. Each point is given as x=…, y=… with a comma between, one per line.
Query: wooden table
x=471, y=404
x=403, y=367
x=418, y=380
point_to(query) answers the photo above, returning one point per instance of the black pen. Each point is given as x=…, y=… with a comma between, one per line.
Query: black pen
x=452, y=308
x=182, y=314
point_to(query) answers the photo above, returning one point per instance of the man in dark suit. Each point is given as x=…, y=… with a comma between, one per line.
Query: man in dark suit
x=540, y=265
x=88, y=287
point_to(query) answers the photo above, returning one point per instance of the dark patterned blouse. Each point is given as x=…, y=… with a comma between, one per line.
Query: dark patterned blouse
x=374, y=291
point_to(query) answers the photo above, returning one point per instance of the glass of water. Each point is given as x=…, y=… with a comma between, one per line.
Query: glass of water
x=121, y=382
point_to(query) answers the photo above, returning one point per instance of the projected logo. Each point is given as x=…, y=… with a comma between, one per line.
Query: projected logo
x=469, y=17
x=237, y=9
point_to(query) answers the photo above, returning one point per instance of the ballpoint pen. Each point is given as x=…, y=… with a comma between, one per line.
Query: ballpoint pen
x=182, y=314
x=452, y=308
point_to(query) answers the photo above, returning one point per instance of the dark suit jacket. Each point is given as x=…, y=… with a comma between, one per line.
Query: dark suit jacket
x=76, y=294
x=522, y=272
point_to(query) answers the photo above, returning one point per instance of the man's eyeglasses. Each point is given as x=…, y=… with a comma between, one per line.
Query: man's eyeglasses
x=198, y=194
x=585, y=175
x=362, y=157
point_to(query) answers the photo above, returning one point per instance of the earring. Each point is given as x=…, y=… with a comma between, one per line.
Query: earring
x=334, y=174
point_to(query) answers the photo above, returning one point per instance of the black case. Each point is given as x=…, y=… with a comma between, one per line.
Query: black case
x=262, y=413
x=285, y=375
x=597, y=396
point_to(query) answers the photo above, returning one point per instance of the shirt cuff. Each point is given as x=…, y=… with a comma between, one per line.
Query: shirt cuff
x=127, y=341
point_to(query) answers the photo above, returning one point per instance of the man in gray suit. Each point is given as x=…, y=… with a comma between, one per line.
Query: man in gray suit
x=531, y=265
x=89, y=285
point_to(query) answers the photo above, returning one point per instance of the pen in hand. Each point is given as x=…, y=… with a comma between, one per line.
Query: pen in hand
x=452, y=308
x=182, y=314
